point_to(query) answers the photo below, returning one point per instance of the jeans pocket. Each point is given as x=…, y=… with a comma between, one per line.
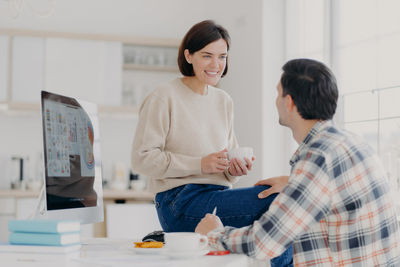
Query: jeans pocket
x=179, y=197
x=160, y=214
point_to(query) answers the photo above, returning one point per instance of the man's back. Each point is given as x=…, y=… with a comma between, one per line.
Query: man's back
x=335, y=208
x=358, y=226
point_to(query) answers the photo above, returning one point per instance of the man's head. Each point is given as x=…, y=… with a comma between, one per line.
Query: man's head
x=311, y=87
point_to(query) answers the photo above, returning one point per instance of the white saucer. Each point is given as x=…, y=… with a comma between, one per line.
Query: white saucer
x=185, y=254
x=157, y=251
x=170, y=253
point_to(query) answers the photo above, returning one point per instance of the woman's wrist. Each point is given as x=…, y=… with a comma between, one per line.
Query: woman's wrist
x=228, y=171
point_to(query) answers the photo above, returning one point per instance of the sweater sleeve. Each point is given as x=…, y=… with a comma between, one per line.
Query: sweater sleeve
x=232, y=141
x=148, y=152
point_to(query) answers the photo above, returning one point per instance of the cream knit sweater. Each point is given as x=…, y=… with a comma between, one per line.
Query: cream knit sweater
x=176, y=128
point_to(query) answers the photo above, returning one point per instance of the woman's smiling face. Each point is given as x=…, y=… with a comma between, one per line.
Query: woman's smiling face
x=209, y=62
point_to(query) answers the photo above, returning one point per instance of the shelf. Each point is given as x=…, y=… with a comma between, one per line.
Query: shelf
x=127, y=39
x=127, y=195
x=103, y=109
x=150, y=67
x=107, y=194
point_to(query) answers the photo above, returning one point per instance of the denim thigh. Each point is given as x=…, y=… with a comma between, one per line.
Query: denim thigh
x=180, y=209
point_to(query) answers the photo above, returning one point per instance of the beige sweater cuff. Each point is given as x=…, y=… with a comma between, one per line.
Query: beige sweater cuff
x=232, y=179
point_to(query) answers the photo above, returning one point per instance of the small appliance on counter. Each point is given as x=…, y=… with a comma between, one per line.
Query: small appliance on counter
x=136, y=183
x=19, y=183
x=119, y=179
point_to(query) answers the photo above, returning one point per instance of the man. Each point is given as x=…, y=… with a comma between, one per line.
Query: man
x=335, y=207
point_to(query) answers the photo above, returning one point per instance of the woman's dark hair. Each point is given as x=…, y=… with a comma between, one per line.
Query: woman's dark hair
x=200, y=35
x=312, y=87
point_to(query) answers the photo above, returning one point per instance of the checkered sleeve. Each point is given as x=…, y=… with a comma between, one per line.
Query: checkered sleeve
x=301, y=204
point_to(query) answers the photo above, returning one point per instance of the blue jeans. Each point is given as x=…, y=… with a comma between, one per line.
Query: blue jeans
x=180, y=209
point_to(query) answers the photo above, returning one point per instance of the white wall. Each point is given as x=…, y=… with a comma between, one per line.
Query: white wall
x=277, y=140
x=256, y=56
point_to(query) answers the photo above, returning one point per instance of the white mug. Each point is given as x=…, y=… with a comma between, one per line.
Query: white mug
x=185, y=241
x=241, y=153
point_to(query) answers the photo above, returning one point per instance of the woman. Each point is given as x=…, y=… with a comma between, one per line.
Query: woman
x=185, y=129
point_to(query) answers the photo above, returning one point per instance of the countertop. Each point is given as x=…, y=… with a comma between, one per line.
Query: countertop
x=107, y=194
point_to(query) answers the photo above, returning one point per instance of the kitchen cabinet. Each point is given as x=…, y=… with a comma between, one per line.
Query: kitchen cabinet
x=20, y=208
x=138, y=220
x=27, y=79
x=4, y=55
x=116, y=72
x=4, y=218
x=8, y=211
x=19, y=204
x=85, y=68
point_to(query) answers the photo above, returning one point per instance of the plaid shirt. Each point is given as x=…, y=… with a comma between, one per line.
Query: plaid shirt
x=336, y=209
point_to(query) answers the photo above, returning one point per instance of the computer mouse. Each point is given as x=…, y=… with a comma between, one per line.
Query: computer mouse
x=157, y=236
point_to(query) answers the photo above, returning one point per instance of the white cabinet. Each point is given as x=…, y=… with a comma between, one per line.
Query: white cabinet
x=7, y=206
x=86, y=69
x=4, y=50
x=12, y=208
x=25, y=208
x=4, y=218
x=27, y=69
x=116, y=72
x=131, y=221
x=7, y=212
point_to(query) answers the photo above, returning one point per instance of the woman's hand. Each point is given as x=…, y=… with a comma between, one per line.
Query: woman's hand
x=215, y=162
x=238, y=168
x=276, y=183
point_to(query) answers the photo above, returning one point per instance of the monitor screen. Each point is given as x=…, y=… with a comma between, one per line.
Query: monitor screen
x=71, y=141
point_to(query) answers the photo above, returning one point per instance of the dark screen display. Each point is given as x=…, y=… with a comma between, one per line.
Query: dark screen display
x=69, y=153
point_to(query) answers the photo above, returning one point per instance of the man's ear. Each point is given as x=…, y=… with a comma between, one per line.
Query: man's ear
x=188, y=56
x=289, y=103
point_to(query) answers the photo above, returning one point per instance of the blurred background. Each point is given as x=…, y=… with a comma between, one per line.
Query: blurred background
x=114, y=52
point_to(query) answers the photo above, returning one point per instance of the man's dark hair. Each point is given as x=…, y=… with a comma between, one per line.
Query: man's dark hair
x=312, y=87
x=199, y=36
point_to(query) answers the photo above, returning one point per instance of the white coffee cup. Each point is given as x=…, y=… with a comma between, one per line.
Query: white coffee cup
x=241, y=153
x=185, y=241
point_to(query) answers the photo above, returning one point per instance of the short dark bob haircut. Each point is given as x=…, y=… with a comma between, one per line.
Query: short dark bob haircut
x=199, y=36
x=312, y=87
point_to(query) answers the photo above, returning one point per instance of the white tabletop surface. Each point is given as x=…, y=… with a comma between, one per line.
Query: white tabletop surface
x=103, y=252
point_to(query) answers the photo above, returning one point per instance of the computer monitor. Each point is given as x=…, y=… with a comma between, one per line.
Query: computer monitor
x=72, y=161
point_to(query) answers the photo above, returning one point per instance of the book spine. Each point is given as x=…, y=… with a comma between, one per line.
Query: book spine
x=20, y=226
x=43, y=239
x=42, y=226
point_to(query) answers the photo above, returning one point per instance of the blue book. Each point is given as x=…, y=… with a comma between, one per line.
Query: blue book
x=43, y=226
x=44, y=239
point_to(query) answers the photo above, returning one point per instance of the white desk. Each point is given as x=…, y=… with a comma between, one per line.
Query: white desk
x=102, y=252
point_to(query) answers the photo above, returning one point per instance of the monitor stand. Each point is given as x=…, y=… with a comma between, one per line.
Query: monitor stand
x=40, y=208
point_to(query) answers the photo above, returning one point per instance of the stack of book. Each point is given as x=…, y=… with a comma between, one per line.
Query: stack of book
x=42, y=240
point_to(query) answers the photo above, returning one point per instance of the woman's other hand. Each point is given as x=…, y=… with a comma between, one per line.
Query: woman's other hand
x=238, y=168
x=276, y=183
x=215, y=162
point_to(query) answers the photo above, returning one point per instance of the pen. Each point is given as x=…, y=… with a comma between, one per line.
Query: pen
x=214, y=211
